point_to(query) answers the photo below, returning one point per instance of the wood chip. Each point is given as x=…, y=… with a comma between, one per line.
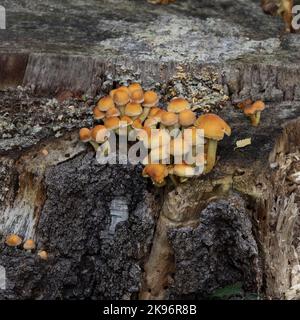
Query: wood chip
x=243, y=143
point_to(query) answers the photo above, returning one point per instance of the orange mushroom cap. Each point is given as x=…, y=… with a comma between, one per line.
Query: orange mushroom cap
x=134, y=87
x=100, y=133
x=13, y=240
x=112, y=112
x=29, y=244
x=169, y=118
x=150, y=99
x=137, y=124
x=187, y=118
x=105, y=103
x=43, y=255
x=157, y=172
x=178, y=104
x=133, y=109
x=85, y=134
x=98, y=115
x=126, y=119
x=256, y=106
x=112, y=123
x=153, y=112
x=121, y=97
x=137, y=96
x=214, y=127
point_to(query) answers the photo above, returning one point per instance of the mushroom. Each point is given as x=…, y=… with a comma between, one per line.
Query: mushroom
x=182, y=170
x=112, y=123
x=254, y=112
x=137, y=124
x=100, y=133
x=85, y=135
x=214, y=129
x=178, y=104
x=134, y=87
x=187, y=118
x=137, y=96
x=121, y=98
x=170, y=120
x=150, y=100
x=98, y=115
x=43, y=255
x=133, y=110
x=157, y=173
x=153, y=112
x=151, y=123
x=245, y=103
x=105, y=103
x=29, y=245
x=126, y=119
x=13, y=240
x=112, y=112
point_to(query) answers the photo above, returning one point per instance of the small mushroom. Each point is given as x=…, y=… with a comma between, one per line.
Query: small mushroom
x=98, y=115
x=254, y=112
x=157, y=173
x=151, y=123
x=187, y=118
x=13, y=240
x=112, y=123
x=245, y=103
x=137, y=96
x=43, y=254
x=153, y=112
x=100, y=133
x=133, y=110
x=105, y=103
x=112, y=112
x=151, y=100
x=182, y=170
x=121, y=98
x=214, y=129
x=134, y=87
x=85, y=135
x=126, y=119
x=29, y=245
x=178, y=104
x=170, y=120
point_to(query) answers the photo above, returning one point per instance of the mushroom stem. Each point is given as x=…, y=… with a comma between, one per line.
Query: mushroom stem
x=174, y=180
x=257, y=118
x=211, y=155
x=95, y=145
x=145, y=114
x=122, y=110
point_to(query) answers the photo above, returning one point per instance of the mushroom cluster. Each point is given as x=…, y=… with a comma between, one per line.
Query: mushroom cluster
x=170, y=136
x=13, y=240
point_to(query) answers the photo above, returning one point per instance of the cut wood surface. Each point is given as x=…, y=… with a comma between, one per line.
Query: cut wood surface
x=240, y=223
